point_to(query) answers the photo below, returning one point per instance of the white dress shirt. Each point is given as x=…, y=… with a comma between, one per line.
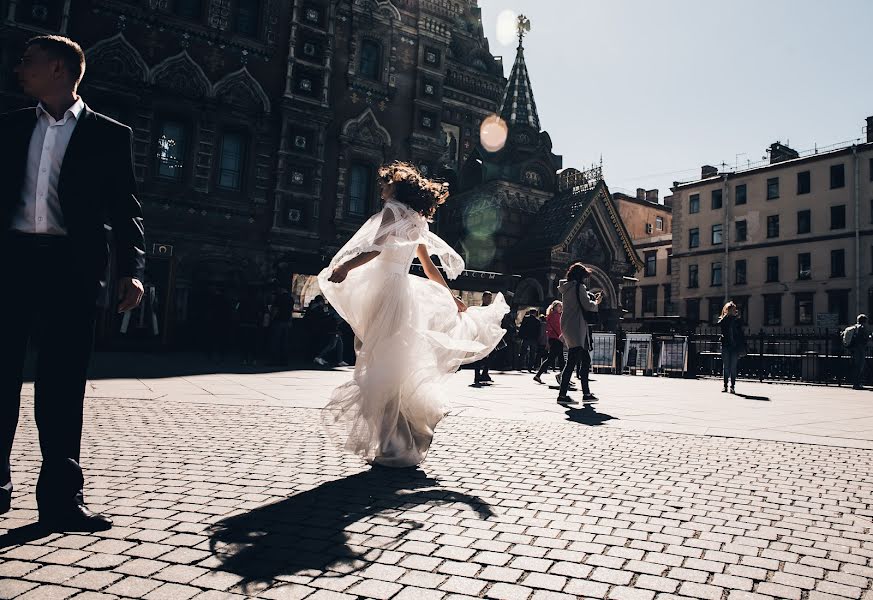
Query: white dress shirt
x=41, y=212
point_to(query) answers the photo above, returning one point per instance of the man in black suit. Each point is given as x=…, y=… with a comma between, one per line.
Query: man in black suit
x=65, y=172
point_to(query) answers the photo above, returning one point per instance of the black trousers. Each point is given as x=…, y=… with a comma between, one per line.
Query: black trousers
x=576, y=357
x=556, y=350
x=48, y=299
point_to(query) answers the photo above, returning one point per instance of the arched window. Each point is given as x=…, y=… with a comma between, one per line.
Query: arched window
x=371, y=59
x=248, y=17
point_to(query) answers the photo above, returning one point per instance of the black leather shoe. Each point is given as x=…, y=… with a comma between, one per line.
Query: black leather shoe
x=77, y=518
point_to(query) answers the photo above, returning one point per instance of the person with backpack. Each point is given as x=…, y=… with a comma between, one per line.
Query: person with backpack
x=733, y=341
x=855, y=340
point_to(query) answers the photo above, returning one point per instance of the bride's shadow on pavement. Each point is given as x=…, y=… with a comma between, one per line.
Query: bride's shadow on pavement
x=315, y=530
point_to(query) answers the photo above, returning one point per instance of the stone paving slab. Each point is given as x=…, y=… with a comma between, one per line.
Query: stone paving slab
x=214, y=497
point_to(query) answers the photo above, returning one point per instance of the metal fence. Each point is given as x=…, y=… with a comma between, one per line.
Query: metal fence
x=807, y=355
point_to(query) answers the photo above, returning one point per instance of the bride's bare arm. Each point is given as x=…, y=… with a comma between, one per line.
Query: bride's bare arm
x=434, y=274
x=341, y=271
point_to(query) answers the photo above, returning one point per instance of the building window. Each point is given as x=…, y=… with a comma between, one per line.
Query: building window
x=741, y=231
x=669, y=261
x=650, y=299
x=360, y=188
x=189, y=9
x=804, y=266
x=804, y=221
x=740, y=272
x=692, y=309
x=716, y=234
x=838, y=263
x=741, y=194
x=716, y=199
x=248, y=17
x=693, y=238
x=742, y=303
x=772, y=309
x=668, y=299
x=716, y=274
x=772, y=226
x=715, y=306
x=838, y=216
x=772, y=269
x=651, y=260
x=803, y=182
x=231, y=162
x=659, y=223
x=693, y=281
x=371, y=59
x=838, y=304
x=803, y=307
x=694, y=203
x=171, y=150
x=870, y=169
x=772, y=188
x=838, y=176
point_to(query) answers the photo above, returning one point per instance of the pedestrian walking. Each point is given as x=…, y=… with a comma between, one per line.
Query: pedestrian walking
x=855, y=339
x=529, y=332
x=66, y=178
x=328, y=331
x=575, y=329
x=553, y=333
x=480, y=367
x=542, y=340
x=249, y=316
x=733, y=342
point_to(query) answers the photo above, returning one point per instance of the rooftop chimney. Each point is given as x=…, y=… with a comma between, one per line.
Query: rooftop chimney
x=780, y=152
x=869, y=129
x=668, y=201
x=652, y=196
x=641, y=194
x=707, y=171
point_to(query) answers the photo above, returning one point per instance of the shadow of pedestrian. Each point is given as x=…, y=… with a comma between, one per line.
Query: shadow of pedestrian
x=328, y=526
x=24, y=535
x=748, y=397
x=588, y=416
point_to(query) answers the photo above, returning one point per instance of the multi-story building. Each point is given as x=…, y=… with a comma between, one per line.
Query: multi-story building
x=649, y=224
x=791, y=241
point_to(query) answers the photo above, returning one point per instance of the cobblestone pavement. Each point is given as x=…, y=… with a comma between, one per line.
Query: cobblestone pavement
x=220, y=500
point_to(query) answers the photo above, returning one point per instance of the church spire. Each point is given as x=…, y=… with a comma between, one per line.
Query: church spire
x=517, y=106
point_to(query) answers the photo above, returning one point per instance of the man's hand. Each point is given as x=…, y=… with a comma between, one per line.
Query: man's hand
x=130, y=292
x=460, y=304
x=339, y=274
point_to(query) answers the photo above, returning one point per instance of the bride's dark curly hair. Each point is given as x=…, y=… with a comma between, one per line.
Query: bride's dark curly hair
x=413, y=189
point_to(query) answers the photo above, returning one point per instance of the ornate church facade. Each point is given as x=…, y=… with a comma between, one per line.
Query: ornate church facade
x=259, y=126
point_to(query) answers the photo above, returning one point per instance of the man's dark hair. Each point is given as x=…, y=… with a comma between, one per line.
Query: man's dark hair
x=577, y=272
x=64, y=49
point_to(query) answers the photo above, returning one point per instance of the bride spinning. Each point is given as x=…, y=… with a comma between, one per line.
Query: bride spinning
x=410, y=332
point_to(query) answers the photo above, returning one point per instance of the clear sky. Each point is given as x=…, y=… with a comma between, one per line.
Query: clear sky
x=661, y=87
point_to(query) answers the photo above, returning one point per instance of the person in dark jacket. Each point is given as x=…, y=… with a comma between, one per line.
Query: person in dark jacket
x=529, y=332
x=733, y=341
x=858, y=350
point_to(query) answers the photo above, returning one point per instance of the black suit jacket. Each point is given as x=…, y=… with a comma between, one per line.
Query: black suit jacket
x=96, y=187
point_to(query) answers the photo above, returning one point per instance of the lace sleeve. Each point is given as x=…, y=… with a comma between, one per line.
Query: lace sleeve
x=389, y=229
x=451, y=261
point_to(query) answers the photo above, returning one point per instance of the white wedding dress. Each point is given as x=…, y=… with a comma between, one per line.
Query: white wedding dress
x=409, y=338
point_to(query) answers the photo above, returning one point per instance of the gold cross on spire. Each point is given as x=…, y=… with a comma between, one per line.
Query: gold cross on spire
x=522, y=27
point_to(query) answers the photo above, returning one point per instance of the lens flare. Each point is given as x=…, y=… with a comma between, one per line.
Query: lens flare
x=492, y=133
x=506, y=22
